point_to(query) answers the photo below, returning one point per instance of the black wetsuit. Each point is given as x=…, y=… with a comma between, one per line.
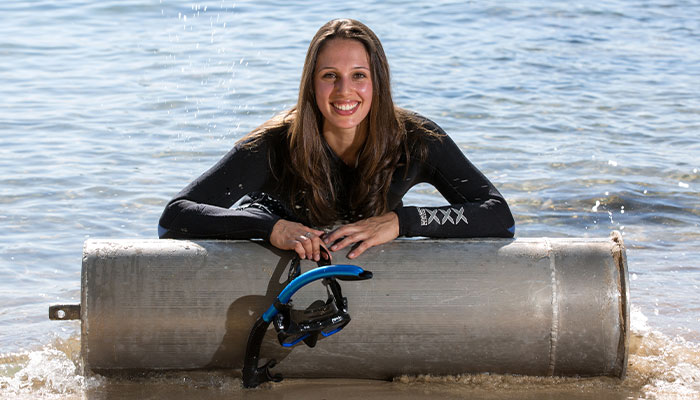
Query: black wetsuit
x=204, y=208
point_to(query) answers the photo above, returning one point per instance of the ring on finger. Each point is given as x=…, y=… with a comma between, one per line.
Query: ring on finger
x=308, y=235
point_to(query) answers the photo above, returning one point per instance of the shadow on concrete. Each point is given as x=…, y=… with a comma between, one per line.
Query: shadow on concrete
x=242, y=314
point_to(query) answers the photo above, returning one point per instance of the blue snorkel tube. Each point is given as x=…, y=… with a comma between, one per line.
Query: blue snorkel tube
x=325, y=320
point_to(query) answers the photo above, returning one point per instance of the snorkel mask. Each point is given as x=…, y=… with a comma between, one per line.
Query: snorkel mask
x=320, y=319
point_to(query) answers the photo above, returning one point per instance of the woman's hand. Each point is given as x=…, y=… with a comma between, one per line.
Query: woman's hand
x=288, y=235
x=368, y=232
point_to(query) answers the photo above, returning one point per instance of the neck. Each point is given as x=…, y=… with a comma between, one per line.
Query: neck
x=346, y=144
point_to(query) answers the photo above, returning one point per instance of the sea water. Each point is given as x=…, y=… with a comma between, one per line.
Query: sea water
x=586, y=116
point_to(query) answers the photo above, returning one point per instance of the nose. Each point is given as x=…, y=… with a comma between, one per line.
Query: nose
x=343, y=85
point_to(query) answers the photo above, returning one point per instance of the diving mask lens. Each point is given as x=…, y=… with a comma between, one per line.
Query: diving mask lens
x=324, y=318
x=336, y=326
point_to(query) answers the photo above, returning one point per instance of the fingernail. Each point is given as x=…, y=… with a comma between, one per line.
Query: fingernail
x=351, y=255
x=334, y=248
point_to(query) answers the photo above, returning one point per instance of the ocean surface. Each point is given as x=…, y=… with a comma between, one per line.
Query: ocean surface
x=586, y=115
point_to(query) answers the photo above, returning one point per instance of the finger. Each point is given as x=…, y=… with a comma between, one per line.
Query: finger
x=316, y=232
x=299, y=249
x=341, y=232
x=308, y=246
x=356, y=252
x=324, y=252
x=318, y=253
x=348, y=240
x=309, y=232
x=316, y=245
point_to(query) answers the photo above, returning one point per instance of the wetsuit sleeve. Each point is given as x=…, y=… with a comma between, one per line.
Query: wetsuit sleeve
x=202, y=209
x=476, y=207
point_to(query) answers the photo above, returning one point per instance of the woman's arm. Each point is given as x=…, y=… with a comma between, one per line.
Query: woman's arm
x=477, y=208
x=202, y=209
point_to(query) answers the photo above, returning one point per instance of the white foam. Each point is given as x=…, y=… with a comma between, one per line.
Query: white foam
x=46, y=373
x=661, y=366
x=638, y=321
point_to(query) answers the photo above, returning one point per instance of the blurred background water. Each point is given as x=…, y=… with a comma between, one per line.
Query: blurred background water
x=586, y=116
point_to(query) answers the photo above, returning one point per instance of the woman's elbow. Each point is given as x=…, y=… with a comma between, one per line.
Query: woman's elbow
x=163, y=233
x=508, y=232
x=507, y=222
x=167, y=219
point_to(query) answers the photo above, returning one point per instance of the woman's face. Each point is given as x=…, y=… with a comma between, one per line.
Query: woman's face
x=343, y=85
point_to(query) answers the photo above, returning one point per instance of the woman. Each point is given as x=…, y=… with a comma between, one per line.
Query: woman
x=343, y=155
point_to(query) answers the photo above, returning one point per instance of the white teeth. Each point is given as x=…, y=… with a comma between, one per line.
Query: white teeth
x=345, y=107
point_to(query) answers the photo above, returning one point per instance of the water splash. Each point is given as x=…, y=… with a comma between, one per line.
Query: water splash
x=663, y=367
x=52, y=372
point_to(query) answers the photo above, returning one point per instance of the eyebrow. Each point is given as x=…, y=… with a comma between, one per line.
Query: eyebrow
x=355, y=67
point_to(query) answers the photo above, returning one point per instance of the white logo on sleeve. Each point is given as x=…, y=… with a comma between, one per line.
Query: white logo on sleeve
x=428, y=216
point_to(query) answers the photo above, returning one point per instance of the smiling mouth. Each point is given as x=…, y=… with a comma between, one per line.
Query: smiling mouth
x=345, y=107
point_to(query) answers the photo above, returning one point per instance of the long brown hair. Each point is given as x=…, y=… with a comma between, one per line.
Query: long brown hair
x=308, y=174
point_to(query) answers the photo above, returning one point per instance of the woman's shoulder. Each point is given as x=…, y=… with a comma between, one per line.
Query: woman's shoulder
x=258, y=149
x=264, y=139
x=270, y=134
x=420, y=125
x=423, y=135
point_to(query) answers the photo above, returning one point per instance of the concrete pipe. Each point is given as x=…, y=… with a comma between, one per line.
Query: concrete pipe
x=531, y=306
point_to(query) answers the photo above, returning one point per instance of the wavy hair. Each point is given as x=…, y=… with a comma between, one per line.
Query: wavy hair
x=307, y=174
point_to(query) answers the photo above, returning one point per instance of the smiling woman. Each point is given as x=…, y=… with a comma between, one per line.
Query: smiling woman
x=343, y=157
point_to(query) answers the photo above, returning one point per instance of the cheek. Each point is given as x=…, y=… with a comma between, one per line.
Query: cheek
x=365, y=92
x=322, y=91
